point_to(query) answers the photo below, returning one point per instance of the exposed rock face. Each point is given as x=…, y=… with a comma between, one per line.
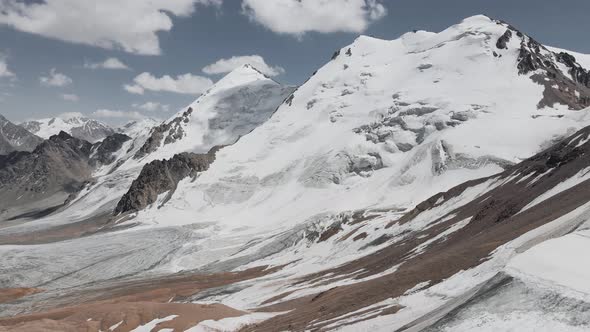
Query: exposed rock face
x=102, y=152
x=48, y=176
x=58, y=165
x=16, y=138
x=161, y=176
x=505, y=38
x=169, y=132
x=578, y=73
x=5, y=147
x=571, y=88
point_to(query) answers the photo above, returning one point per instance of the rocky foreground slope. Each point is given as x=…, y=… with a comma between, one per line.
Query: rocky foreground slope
x=408, y=185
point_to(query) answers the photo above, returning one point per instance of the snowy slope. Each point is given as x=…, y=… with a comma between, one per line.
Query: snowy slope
x=80, y=127
x=235, y=105
x=555, y=264
x=138, y=127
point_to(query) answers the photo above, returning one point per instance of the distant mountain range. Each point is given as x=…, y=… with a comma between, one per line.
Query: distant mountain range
x=80, y=127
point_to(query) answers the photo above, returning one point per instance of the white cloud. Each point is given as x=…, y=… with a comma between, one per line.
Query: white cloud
x=4, y=71
x=110, y=63
x=226, y=65
x=296, y=17
x=70, y=97
x=70, y=115
x=130, y=25
x=133, y=88
x=55, y=79
x=151, y=106
x=3, y=95
x=186, y=83
x=105, y=113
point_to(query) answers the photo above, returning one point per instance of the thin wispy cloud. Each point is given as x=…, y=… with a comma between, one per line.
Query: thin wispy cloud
x=55, y=79
x=152, y=106
x=109, y=63
x=4, y=71
x=70, y=97
x=70, y=115
x=117, y=114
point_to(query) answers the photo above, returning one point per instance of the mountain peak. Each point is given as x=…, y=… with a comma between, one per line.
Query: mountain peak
x=244, y=74
x=62, y=136
x=477, y=19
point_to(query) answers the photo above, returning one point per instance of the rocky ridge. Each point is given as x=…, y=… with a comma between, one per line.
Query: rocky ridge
x=16, y=138
x=162, y=176
x=58, y=167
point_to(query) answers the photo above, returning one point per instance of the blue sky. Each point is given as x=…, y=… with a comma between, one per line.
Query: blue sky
x=54, y=51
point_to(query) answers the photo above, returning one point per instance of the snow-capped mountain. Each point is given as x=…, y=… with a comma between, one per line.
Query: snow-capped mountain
x=236, y=104
x=15, y=138
x=78, y=126
x=398, y=189
x=392, y=123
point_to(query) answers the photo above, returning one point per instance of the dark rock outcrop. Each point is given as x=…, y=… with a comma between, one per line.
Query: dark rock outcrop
x=571, y=88
x=504, y=39
x=335, y=55
x=102, y=152
x=578, y=73
x=169, y=132
x=161, y=176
